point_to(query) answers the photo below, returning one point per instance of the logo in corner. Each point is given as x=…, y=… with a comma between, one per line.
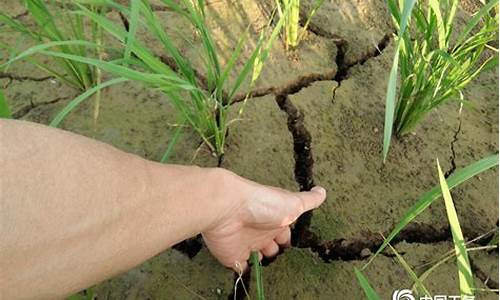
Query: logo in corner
x=405, y=294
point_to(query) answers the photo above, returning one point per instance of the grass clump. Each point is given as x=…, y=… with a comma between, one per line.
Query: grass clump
x=57, y=23
x=434, y=63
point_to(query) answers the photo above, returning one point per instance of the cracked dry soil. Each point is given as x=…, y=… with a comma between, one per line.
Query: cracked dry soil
x=315, y=117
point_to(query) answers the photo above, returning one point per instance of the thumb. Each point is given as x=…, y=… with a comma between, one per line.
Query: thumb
x=312, y=199
x=307, y=201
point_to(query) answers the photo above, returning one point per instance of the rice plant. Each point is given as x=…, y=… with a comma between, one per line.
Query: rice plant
x=56, y=23
x=292, y=37
x=435, y=64
x=465, y=273
x=202, y=99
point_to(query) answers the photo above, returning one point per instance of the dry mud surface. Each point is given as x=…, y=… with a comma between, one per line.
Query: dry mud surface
x=324, y=127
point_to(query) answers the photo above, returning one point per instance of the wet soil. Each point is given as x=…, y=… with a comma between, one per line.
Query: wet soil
x=316, y=118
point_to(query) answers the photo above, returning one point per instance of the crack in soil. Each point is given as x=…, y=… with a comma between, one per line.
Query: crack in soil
x=17, y=17
x=27, y=108
x=356, y=248
x=344, y=67
x=11, y=77
x=303, y=157
x=481, y=275
x=452, y=148
x=306, y=80
x=190, y=247
x=338, y=74
x=288, y=89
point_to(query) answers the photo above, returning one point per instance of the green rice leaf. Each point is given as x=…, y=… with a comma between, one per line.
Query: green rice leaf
x=390, y=105
x=450, y=18
x=134, y=21
x=38, y=48
x=458, y=177
x=258, y=275
x=172, y=82
x=78, y=100
x=365, y=284
x=475, y=20
x=464, y=270
x=4, y=107
x=317, y=4
x=259, y=54
x=390, y=102
x=16, y=25
x=421, y=289
x=232, y=60
x=434, y=5
x=172, y=143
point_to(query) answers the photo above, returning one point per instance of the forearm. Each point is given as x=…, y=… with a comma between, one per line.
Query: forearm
x=76, y=211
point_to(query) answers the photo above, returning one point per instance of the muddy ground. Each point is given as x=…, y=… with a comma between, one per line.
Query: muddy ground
x=316, y=118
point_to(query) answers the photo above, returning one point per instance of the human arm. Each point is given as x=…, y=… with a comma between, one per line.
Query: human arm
x=74, y=211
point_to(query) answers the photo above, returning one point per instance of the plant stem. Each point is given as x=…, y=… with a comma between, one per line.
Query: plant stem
x=258, y=275
x=292, y=24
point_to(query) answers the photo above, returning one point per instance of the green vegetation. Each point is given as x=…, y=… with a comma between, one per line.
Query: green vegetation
x=291, y=18
x=203, y=100
x=463, y=264
x=370, y=293
x=4, y=106
x=257, y=267
x=434, y=64
x=464, y=269
x=87, y=294
x=48, y=28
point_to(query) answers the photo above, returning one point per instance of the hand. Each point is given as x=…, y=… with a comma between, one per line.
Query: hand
x=258, y=219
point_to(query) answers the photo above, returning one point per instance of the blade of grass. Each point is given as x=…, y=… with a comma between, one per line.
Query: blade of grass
x=316, y=6
x=36, y=49
x=258, y=275
x=390, y=101
x=4, y=107
x=464, y=270
x=447, y=257
x=421, y=289
x=475, y=20
x=172, y=143
x=78, y=100
x=173, y=82
x=365, y=284
x=436, y=9
x=458, y=177
x=134, y=21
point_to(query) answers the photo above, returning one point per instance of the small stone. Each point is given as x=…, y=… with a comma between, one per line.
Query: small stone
x=375, y=130
x=218, y=291
x=365, y=253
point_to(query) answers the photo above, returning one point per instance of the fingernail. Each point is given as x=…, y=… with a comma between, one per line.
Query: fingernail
x=319, y=189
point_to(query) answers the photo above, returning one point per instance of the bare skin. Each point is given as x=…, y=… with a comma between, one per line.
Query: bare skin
x=74, y=211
